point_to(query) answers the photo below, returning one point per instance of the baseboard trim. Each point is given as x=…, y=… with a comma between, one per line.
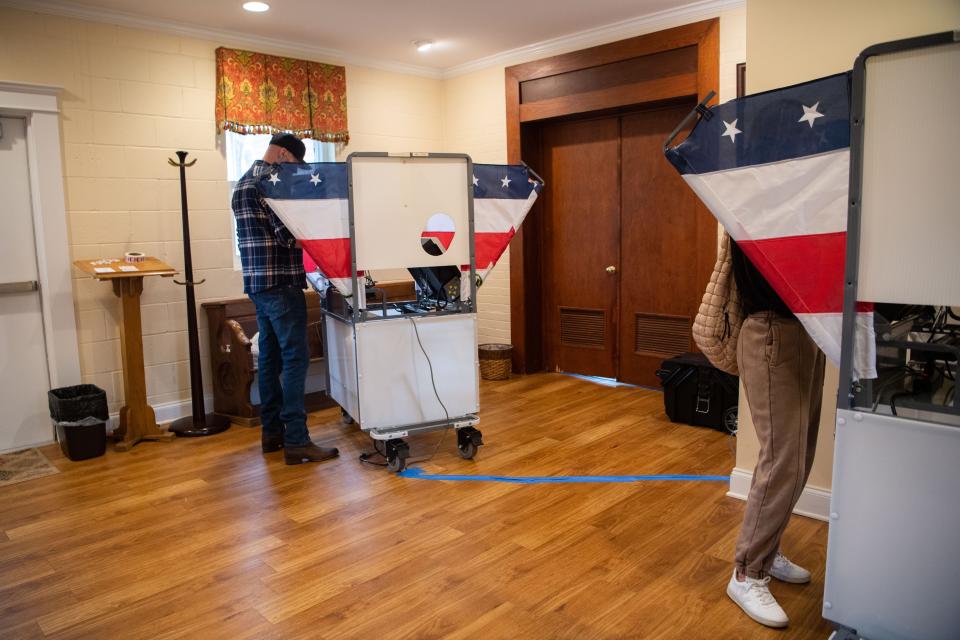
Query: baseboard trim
x=169, y=411
x=166, y=412
x=813, y=503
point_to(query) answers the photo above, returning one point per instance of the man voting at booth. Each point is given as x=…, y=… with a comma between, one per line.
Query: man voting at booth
x=274, y=279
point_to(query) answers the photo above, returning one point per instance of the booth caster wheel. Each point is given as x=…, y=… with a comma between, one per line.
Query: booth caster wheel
x=467, y=451
x=468, y=441
x=345, y=417
x=397, y=453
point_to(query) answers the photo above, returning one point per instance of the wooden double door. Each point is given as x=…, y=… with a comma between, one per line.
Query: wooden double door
x=627, y=247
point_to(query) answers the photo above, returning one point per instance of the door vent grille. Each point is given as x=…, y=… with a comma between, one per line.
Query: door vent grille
x=666, y=335
x=583, y=327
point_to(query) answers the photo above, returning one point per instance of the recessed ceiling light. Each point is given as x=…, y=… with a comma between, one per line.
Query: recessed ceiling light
x=256, y=7
x=423, y=45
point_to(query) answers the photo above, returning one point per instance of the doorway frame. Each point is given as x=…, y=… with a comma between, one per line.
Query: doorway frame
x=39, y=106
x=526, y=301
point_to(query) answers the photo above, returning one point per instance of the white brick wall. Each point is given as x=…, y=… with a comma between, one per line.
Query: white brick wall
x=392, y=112
x=733, y=50
x=131, y=98
x=474, y=122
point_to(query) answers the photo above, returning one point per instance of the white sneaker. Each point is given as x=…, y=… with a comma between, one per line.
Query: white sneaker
x=786, y=571
x=754, y=597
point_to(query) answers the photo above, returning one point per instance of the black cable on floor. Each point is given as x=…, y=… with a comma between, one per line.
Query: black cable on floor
x=366, y=457
x=436, y=393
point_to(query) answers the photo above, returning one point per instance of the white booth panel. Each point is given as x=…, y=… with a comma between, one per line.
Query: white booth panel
x=892, y=566
x=910, y=209
x=341, y=359
x=393, y=197
x=395, y=386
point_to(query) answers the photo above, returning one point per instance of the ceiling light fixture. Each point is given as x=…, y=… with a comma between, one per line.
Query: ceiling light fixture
x=423, y=45
x=256, y=7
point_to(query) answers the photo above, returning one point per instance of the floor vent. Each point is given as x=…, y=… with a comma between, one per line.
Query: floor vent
x=583, y=327
x=666, y=335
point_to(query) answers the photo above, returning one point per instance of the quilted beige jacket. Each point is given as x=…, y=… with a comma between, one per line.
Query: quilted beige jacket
x=717, y=325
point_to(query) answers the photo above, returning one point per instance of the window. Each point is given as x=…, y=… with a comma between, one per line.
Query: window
x=242, y=150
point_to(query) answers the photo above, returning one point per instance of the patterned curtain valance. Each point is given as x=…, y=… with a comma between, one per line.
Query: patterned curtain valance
x=258, y=93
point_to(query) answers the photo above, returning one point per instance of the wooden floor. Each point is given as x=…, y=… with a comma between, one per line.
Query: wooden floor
x=208, y=538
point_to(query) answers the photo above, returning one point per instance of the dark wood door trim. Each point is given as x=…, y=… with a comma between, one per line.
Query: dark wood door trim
x=525, y=272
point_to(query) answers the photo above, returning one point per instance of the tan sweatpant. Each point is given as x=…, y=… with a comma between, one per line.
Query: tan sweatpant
x=782, y=374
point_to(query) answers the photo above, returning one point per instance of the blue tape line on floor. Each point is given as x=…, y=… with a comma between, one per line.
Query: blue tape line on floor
x=420, y=474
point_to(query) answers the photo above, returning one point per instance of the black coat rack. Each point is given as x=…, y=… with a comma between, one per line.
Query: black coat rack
x=200, y=423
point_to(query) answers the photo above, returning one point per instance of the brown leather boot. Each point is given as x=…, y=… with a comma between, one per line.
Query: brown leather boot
x=308, y=453
x=271, y=442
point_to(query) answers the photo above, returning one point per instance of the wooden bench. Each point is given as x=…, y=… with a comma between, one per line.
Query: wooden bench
x=232, y=323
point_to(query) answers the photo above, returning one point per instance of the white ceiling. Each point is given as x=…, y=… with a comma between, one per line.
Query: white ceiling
x=463, y=30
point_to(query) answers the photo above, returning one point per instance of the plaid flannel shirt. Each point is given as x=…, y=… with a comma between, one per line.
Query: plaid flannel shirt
x=267, y=249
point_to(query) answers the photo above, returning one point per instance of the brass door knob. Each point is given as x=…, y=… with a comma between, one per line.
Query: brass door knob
x=611, y=269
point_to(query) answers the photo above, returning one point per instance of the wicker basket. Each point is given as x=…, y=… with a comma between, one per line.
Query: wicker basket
x=495, y=361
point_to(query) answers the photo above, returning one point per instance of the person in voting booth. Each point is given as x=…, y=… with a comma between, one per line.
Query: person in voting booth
x=274, y=279
x=782, y=374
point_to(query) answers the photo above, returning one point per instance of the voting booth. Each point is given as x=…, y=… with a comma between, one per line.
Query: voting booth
x=843, y=191
x=892, y=565
x=412, y=368
x=401, y=367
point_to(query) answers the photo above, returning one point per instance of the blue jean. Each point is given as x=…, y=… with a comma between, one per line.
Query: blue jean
x=284, y=358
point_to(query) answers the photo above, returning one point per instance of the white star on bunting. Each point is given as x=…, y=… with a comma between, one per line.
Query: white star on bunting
x=731, y=130
x=475, y=181
x=315, y=179
x=274, y=178
x=810, y=114
x=505, y=182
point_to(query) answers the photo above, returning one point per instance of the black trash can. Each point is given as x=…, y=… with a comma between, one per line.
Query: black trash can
x=69, y=404
x=80, y=414
x=82, y=439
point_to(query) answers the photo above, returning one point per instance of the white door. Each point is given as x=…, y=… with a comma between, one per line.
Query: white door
x=24, y=381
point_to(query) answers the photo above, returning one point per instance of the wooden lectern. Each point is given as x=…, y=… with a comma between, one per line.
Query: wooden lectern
x=137, y=419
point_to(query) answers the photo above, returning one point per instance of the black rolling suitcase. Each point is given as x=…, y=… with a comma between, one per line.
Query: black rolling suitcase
x=697, y=393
